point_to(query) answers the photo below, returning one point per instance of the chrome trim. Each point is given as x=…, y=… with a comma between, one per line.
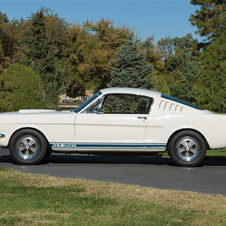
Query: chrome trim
x=187, y=148
x=2, y=135
x=27, y=147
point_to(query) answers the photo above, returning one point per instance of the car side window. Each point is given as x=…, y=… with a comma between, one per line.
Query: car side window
x=126, y=104
x=94, y=108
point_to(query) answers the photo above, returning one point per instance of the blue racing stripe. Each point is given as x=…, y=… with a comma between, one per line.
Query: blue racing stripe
x=72, y=145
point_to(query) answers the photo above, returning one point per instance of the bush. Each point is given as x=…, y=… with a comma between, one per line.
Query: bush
x=20, y=88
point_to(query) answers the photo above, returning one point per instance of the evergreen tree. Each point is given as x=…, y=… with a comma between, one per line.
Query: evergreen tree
x=210, y=88
x=182, y=68
x=210, y=19
x=20, y=88
x=42, y=59
x=130, y=68
x=184, y=90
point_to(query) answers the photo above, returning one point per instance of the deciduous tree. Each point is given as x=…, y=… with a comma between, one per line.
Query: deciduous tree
x=155, y=56
x=91, y=54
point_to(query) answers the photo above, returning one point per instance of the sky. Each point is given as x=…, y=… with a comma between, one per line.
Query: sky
x=162, y=18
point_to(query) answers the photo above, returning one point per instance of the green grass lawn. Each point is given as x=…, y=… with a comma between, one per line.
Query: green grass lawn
x=27, y=199
x=216, y=155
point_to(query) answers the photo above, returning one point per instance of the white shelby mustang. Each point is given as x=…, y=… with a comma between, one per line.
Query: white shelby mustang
x=116, y=121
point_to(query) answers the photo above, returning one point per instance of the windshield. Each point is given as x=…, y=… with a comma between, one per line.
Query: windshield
x=87, y=102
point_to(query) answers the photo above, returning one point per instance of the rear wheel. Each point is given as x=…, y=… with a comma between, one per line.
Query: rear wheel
x=187, y=148
x=28, y=147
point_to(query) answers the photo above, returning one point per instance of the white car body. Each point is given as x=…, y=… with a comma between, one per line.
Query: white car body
x=133, y=133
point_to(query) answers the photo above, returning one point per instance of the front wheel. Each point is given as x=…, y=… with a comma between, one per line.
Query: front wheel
x=28, y=147
x=187, y=148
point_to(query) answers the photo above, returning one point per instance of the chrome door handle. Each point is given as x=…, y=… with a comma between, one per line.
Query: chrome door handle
x=142, y=118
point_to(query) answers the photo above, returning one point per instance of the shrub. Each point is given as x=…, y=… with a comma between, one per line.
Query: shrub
x=20, y=88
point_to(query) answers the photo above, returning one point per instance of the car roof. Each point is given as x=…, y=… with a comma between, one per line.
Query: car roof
x=136, y=91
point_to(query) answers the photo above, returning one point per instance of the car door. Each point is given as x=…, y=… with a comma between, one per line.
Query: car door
x=120, y=123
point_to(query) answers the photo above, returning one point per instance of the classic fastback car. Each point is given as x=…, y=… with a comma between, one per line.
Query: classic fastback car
x=119, y=121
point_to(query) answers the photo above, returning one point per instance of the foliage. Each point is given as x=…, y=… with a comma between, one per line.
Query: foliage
x=166, y=47
x=73, y=58
x=11, y=41
x=185, y=89
x=210, y=88
x=58, y=31
x=182, y=67
x=130, y=69
x=42, y=58
x=155, y=57
x=210, y=19
x=20, y=88
x=91, y=53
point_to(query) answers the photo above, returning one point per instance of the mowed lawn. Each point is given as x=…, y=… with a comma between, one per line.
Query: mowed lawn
x=27, y=199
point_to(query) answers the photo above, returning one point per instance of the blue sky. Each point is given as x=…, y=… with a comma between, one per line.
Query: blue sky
x=160, y=17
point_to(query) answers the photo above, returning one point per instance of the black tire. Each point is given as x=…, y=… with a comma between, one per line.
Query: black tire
x=48, y=151
x=187, y=148
x=28, y=147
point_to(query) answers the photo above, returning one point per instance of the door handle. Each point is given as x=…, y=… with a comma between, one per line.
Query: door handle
x=142, y=118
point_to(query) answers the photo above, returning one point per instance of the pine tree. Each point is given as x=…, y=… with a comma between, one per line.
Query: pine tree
x=210, y=19
x=210, y=88
x=42, y=59
x=130, y=68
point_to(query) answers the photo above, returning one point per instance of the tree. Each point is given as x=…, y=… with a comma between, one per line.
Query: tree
x=91, y=52
x=11, y=41
x=20, y=88
x=210, y=88
x=184, y=90
x=42, y=58
x=58, y=31
x=210, y=19
x=130, y=69
x=155, y=56
x=166, y=46
x=182, y=68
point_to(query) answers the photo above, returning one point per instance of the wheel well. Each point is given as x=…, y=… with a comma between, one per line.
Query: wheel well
x=178, y=131
x=48, y=145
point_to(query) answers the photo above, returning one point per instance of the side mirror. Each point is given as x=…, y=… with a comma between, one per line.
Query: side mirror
x=100, y=111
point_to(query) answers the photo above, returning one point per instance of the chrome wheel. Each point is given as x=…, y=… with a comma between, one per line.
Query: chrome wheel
x=187, y=149
x=27, y=147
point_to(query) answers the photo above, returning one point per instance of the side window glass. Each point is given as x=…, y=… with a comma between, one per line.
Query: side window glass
x=94, y=107
x=126, y=104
